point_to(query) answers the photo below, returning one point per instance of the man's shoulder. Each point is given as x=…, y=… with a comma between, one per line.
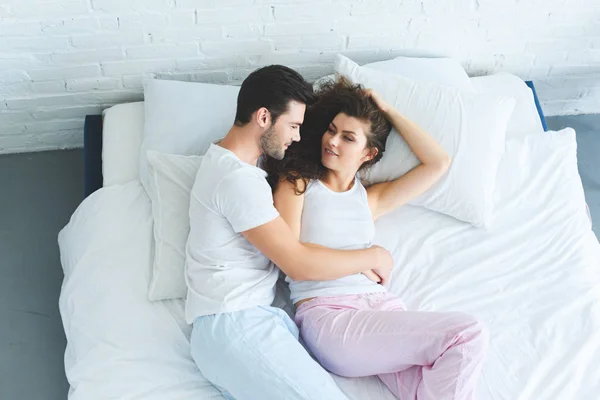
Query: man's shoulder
x=222, y=171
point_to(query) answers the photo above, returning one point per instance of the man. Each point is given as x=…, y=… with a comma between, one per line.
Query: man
x=245, y=347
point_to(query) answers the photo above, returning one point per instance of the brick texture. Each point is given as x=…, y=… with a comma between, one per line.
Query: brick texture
x=63, y=59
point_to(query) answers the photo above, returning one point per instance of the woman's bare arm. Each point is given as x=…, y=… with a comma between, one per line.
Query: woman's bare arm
x=435, y=161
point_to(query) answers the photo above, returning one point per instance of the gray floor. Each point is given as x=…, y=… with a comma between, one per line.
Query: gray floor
x=38, y=194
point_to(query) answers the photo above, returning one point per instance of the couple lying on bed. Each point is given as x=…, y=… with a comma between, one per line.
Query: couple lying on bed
x=316, y=225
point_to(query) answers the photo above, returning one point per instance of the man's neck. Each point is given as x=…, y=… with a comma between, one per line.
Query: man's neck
x=243, y=143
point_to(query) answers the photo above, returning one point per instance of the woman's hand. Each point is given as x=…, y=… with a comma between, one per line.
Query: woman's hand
x=383, y=105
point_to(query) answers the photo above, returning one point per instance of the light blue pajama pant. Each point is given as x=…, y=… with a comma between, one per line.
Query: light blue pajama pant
x=254, y=354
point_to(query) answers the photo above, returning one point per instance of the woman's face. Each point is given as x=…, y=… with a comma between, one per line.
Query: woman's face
x=343, y=146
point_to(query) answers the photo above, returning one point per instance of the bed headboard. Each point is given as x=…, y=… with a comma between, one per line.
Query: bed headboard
x=537, y=105
x=92, y=146
x=92, y=153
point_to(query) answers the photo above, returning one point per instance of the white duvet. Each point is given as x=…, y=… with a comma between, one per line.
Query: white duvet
x=534, y=277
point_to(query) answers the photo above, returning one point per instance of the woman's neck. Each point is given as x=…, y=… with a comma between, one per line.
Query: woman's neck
x=338, y=181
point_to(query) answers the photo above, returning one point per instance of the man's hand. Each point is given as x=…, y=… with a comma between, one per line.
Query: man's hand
x=372, y=276
x=384, y=264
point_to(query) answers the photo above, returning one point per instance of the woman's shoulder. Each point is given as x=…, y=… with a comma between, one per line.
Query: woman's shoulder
x=363, y=183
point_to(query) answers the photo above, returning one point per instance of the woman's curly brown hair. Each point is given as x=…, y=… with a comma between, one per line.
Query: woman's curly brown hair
x=303, y=159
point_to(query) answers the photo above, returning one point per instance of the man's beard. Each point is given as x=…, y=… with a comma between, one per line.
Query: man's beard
x=271, y=145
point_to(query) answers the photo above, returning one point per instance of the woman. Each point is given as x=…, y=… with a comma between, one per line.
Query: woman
x=353, y=326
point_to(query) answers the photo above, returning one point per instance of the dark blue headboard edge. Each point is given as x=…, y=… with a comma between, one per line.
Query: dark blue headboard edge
x=92, y=153
x=537, y=105
x=92, y=146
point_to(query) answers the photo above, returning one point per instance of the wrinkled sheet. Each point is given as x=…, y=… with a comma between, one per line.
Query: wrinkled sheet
x=533, y=277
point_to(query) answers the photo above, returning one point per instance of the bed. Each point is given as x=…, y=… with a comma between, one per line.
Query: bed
x=533, y=277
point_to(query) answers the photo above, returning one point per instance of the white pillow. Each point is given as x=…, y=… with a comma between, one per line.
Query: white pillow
x=558, y=150
x=470, y=127
x=171, y=178
x=443, y=71
x=122, y=132
x=525, y=118
x=184, y=117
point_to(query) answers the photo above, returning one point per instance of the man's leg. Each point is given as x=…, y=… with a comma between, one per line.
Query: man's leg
x=254, y=354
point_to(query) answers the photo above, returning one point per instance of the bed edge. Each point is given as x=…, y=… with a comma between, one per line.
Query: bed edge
x=92, y=154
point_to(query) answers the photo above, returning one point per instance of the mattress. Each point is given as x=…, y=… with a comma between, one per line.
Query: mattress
x=533, y=278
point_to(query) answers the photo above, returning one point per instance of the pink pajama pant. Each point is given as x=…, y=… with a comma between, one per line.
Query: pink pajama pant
x=417, y=355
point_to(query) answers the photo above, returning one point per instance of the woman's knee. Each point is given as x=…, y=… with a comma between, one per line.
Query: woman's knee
x=476, y=333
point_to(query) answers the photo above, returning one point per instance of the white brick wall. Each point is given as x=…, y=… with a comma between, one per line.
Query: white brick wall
x=63, y=59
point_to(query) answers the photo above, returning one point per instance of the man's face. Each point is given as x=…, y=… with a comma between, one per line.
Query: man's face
x=279, y=136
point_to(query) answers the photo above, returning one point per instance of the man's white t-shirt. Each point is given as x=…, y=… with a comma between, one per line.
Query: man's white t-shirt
x=224, y=271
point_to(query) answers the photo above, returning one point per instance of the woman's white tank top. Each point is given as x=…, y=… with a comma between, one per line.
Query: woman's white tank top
x=338, y=220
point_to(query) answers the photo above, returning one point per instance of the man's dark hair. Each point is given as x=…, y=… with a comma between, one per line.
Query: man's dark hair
x=272, y=87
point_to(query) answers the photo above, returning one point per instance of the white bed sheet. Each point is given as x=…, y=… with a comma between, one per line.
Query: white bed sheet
x=534, y=278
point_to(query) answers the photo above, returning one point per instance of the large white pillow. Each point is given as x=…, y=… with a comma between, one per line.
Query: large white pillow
x=122, y=133
x=470, y=127
x=171, y=178
x=443, y=71
x=525, y=118
x=184, y=117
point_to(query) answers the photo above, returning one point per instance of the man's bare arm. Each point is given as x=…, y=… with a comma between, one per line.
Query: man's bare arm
x=303, y=262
